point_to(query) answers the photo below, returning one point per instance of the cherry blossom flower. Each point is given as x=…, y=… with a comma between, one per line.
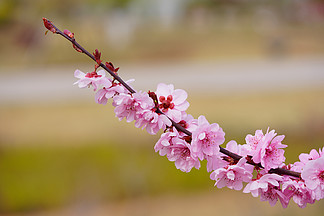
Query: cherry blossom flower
x=298, y=191
x=268, y=151
x=109, y=90
x=304, y=158
x=252, y=142
x=152, y=121
x=189, y=123
x=181, y=154
x=268, y=188
x=163, y=145
x=217, y=161
x=176, y=149
x=206, y=138
x=232, y=176
x=130, y=106
x=172, y=101
x=313, y=175
x=91, y=79
x=235, y=148
x=321, y=152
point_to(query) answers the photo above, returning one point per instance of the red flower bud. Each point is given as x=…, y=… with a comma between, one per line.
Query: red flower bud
x=77, y=49
x=48, y=24
x=97, y=56
x=69, y=34
x=111, y=67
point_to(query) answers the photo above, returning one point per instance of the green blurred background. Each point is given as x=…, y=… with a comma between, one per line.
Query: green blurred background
x=246, y=65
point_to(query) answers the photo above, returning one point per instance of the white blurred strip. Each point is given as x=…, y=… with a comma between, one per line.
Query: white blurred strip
x=55, y=84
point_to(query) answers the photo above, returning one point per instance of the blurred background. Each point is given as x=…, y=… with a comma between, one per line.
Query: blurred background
x=246, y=64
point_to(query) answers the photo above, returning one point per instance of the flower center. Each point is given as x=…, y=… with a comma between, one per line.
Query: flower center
x=321, y=175
x=92, y=75
x=183, y=123
x=166, y=103
x=185, y=153
x=255, y=142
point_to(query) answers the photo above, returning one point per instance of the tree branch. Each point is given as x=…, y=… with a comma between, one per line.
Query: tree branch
x=51, y=27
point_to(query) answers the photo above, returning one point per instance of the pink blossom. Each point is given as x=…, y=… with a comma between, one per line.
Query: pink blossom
x=217, y=161
x=232, y=176
x=163, y=145
x=152, y=121
x=235, y=148
x=268, y=151
x=252, y=142
x=91, y=79
x=189, y=123
x=321, y=152
x=298, y=191
x=172, y=102
x=304, y=158
x=313, y=175
x=178, y=150
x=268, y=188
x=109, y=90
x=206, y=138
x=181, y=155
x=273, y=194
x=131, y=106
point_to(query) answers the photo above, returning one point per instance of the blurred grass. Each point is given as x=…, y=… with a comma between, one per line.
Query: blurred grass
x=60, y=154
x=46, y=177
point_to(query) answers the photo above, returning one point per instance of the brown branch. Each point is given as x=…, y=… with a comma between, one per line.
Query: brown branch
x=70, y=37
x=83, y=50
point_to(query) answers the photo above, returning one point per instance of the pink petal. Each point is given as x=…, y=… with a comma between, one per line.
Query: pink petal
x=230, y=175
x=202, y=136
x=202, y=120
x=183, y=107
x=179, y=96
x=79, y=74
x=164, y=90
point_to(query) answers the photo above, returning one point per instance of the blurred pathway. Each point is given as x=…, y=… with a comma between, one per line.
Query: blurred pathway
x=55, y=84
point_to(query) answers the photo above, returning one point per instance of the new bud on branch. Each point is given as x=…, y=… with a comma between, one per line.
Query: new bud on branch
x=187, y=141
x=48, y=24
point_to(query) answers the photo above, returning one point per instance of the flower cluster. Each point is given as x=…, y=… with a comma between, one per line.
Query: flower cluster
x=186, y=141
x=262, y=152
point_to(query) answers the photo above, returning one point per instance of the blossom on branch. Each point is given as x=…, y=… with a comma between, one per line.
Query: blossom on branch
x=172, y=102
x=109, y=90
x=297, y=190
x=206, y=139
x=268, y=188
x=313, y=175
x=152, y=121
x=185, y=140
x=130, y=106
x=182, y=156
x=178, y=150
x=304, y=158
x=267, y=149
x=220, y=160
x=163, y=145
x=94, y=79
x=232, y=176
